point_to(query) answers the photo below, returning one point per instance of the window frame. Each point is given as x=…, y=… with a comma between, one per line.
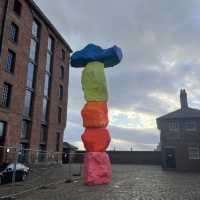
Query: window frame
x=4, y=129
x=29, y=113
x=25, y=136
x=58, y=141
x=43, y=134
x=50, y=55
x=193, y=153
x=63, y=54
x=47, y=81
x=11, y=67
x=8, y=95
x=62, y=72
x=17, y=8
x=61, y=92
x=15, y=38
x=35, y=39
x=45, y=114
x=50, y=48
x=30, y=84
x=186, y=123
x=59, y=115
x=173, y=128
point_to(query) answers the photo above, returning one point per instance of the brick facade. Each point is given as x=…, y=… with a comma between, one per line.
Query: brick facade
x=13, y=115
x=180, y=137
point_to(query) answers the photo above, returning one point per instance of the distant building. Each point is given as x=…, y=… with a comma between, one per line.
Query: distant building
x=180, y=137
x=34, y=73
x=67, y=150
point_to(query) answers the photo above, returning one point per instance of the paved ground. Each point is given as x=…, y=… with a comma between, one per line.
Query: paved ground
x=129, y=182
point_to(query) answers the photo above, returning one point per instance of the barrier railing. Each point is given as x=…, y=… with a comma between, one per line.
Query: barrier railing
x=45, y=169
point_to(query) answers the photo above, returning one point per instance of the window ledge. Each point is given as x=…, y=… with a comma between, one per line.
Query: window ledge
x=24, y=140
x=4, y=109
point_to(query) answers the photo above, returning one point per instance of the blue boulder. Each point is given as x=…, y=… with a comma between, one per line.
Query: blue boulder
x=110, y=57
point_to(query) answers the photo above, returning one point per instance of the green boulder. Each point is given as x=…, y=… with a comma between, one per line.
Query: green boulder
x=94, y=82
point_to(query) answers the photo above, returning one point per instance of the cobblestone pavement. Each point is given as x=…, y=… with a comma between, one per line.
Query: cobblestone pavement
x=40, y=176
x=129, y=182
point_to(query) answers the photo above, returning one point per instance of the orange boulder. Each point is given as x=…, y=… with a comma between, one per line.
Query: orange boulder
x=95, y=114
x=96, y=139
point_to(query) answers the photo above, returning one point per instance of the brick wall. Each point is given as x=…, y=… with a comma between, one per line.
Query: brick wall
x=13, y=115
x=129, y=157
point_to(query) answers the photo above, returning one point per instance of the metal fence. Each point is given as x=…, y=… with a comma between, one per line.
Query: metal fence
x=46, y=169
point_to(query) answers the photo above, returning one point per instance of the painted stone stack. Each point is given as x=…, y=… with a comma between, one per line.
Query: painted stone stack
x=96, y=137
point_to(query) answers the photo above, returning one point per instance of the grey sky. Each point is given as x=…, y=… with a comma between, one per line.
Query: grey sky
x=159, y=40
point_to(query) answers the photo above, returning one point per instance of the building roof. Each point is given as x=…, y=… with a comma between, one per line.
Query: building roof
x=182, y=113
x=46, y=20
x=67, y=145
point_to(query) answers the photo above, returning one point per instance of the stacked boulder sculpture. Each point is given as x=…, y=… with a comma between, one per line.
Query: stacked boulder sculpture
x=96, y=137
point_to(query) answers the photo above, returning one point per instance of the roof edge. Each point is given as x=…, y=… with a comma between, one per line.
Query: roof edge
x=163, y=116
x=178, y=110
x=48, y=22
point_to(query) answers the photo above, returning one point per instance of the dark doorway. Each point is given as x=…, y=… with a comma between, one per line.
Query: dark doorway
x=3, y=126
x=42, y=153
x=24, y=152
x=170, y=158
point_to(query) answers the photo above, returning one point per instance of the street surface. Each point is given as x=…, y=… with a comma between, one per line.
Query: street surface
x=135, y=182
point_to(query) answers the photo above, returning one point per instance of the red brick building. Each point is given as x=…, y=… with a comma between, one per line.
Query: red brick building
x=34, y=73
x=180, y=137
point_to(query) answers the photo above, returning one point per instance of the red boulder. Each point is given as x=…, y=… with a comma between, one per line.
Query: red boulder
x=96, y=139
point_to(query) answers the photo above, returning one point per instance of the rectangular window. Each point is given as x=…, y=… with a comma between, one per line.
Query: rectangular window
x=17, y=7
x=47, y=78
x=2, y=128
x=50, y=44
x=25, y=129
x=45, y=109
x=46, y=84
x=61, y=92
x=48, y=63
x=63, y=54
x=10, y=64
x=34, y=41
x=28, y=103
x=30, y=75
x=59, y=115
x=14, y=29
x=33, y=50
x=190, y=126
x=193, y=153
x=173, y=126
x=62, y=72
x=35, y=29
x=57, y=142
x=5, y=95
x=49, y=59
x=43, y=134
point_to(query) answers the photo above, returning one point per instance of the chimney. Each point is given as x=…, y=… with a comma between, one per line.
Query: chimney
x=183, y=99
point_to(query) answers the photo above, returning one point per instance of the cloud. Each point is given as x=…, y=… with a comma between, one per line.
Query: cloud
x=161, y=55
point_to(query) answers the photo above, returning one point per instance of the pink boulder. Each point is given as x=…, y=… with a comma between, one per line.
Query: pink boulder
x=97, y=168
